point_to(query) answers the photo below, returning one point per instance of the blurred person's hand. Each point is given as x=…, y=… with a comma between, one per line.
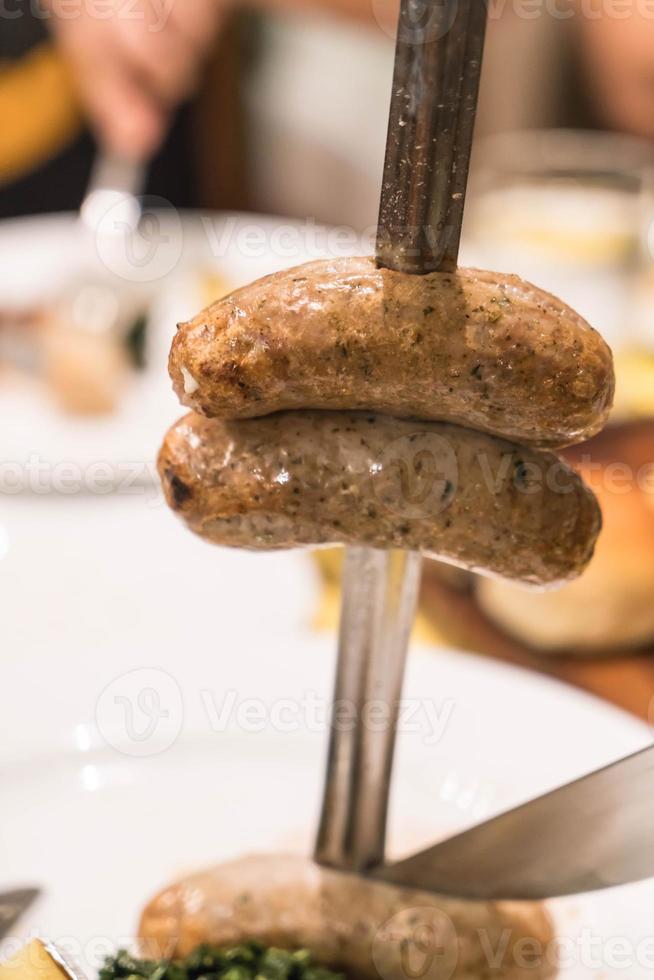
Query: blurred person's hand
x=618, y=54
x=134, y=62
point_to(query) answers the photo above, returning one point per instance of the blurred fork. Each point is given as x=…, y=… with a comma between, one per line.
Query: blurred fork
x=13, y=906
x=83, y=342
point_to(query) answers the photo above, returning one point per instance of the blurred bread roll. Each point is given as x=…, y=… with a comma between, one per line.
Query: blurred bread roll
x=85, y=372
x=611, y=606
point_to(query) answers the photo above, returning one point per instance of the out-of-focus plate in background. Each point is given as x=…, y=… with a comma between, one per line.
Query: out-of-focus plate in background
x=170, y=272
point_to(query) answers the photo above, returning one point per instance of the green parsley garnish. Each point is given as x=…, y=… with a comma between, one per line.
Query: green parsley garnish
x=250, y=961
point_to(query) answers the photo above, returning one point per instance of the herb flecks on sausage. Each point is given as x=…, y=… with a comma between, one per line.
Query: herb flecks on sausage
x=313, y=478
x=479, y=349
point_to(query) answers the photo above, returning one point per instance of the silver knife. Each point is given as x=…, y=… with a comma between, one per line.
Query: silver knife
x=13, y=905
x=591, y=834
x=71, y=968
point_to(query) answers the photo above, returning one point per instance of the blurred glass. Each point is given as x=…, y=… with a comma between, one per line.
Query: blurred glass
x=570, y=211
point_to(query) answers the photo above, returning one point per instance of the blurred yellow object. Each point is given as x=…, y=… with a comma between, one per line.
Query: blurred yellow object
x=560, y=222
x=86, y=372
x=634, y=393
x=577, y=246
x=326, y=617
x=39, y=110
x=33, y=962
x=214, y=286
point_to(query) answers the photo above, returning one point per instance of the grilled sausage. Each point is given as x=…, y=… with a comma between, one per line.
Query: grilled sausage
x=480, y=349
x=311, y=478
x=368, y=929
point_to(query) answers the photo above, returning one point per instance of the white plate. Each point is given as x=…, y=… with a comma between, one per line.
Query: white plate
x=221, y=642
x=40, y=255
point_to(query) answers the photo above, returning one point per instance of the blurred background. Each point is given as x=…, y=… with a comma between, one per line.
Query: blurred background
x=228, y=120
x=281, y=106
x=155, y=154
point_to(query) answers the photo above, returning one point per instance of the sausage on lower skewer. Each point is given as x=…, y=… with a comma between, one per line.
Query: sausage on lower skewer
x=365, y=928
x=479, y=349
x=310, y=478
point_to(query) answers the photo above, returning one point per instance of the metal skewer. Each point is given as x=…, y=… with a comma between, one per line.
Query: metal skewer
x=434, y=98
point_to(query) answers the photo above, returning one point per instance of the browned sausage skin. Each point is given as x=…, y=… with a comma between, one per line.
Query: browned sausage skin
x=311, y=478
x=349, y=923
x=479, y=349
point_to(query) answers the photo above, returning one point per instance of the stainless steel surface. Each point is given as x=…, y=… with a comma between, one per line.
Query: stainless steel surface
x=591, y=834
x=435, y=87
x=114, y=185
x=380, y=589
x=13, y=905
x=111, y=211
x=433, y=102
x=69, y=967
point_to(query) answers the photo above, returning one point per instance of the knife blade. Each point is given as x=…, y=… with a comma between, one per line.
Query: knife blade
x=13, y=905
x=71, y=968
x=594, y=833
